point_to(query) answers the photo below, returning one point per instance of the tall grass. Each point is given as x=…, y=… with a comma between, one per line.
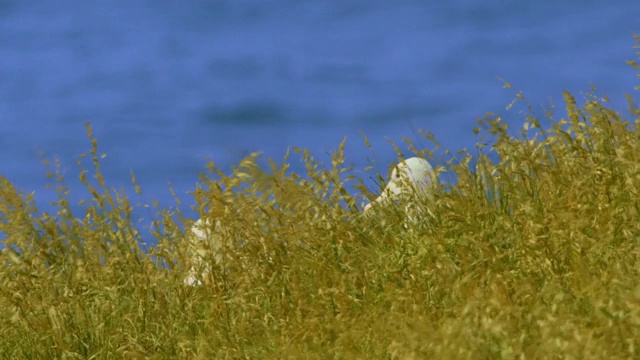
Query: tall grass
x=532, y=255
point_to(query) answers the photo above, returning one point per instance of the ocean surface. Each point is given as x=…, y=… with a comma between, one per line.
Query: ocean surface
x=168, y=84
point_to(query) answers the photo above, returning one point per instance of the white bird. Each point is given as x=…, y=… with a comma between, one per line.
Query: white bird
x=412, y=179
x=203, y=239
x=206, y=245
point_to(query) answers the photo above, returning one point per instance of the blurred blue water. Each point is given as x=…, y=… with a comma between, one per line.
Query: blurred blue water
x=166, y=83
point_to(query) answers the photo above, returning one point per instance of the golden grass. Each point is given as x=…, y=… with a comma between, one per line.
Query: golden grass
x=535, y=255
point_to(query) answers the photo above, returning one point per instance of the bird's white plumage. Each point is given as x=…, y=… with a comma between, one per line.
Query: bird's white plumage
x=411, y=179
x=203, y=239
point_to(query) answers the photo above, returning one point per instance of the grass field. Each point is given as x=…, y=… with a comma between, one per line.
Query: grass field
x=533, y=255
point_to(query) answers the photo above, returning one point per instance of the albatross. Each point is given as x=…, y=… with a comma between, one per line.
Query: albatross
x=411, y=180
x=203, y=238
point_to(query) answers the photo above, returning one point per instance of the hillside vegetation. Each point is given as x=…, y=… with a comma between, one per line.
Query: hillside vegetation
x=533, y=252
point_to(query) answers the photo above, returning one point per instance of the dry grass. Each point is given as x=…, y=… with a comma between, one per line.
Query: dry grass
x=532, y=256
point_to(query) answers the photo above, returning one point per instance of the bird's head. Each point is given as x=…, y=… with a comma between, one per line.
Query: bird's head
x=411, y=177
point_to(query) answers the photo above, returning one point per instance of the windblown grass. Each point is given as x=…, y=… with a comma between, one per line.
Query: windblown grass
x=535, y=255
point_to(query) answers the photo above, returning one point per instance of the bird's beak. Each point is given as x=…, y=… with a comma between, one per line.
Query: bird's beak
x=388, y=194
